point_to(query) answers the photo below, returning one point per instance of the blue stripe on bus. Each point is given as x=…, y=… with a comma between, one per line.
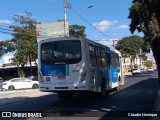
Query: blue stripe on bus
x=114, y=74
x=53, y=70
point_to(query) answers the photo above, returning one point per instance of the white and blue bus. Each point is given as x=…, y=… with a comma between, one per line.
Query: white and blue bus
x=72, y=65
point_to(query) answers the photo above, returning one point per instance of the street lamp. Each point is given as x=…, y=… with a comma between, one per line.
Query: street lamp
x=79, y=13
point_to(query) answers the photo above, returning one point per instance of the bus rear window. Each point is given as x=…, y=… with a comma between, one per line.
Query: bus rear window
x=61, y=52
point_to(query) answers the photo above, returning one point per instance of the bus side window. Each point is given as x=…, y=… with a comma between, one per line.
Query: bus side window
x=98, y=56
x=103, y=57
x=115, y=60
x=92, y=55
x=108, y=60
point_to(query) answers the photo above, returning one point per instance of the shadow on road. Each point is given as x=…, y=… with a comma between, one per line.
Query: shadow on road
x=136, y=98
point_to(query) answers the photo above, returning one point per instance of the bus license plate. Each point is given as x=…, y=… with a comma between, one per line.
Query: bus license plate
x=61, y=77
x=48, y=79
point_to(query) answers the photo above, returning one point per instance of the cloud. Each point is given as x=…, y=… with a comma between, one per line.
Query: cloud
x=123, y=26
x=102, y=26
x=5, y=22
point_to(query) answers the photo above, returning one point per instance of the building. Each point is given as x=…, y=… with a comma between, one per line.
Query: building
x=9, y=70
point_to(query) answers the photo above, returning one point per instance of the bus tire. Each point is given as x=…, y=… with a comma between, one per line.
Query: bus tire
x=119, y=80
x=65, y=95
x=116, y=89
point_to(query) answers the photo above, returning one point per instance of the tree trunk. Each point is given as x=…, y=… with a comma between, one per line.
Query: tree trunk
x=31, y=70
x=155, y=45
x=21, y=72
x=131, y=64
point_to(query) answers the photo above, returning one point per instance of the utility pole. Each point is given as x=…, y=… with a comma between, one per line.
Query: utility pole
x=114, y=43
x=140, y=54
x=66, y=33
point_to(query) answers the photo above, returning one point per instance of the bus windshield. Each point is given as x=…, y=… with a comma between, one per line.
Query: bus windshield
x=61, y=52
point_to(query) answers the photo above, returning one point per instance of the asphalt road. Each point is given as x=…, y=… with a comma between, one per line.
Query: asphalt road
x=136, y=96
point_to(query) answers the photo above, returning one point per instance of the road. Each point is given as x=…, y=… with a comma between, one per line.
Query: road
x=137, y=95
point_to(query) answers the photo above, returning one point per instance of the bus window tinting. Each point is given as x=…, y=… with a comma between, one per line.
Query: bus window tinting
x=65, y=52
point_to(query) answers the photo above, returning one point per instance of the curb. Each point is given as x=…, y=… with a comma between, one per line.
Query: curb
x=2, y=92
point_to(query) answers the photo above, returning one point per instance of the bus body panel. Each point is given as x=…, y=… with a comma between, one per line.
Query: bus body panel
x=121, y=72
x=66, y=76
x=113, y=77
x=115, y=71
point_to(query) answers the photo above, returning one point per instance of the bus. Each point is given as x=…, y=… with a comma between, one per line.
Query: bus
x=71, y=65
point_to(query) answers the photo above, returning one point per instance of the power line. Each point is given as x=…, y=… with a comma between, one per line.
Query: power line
x=85, y=20
x=6, y=32
x=6, y=29
x=10, y=32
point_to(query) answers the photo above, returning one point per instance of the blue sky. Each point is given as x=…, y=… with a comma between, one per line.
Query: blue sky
x=110, y=17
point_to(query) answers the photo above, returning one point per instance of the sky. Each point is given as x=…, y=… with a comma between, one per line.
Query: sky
x=106, y=20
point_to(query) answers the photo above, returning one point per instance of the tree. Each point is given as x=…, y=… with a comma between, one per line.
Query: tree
x=149, y=63
x=145, y=17
x=131, y=46
x=23, y=44
x=25, y=40
x=77, y=31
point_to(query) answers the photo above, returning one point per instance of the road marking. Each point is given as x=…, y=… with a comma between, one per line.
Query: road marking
x=102, y=109
x=106, y=109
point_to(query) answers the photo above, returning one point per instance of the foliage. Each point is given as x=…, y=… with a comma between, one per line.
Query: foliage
x=145, y=17
x=130, y=46
x=77, y=31
x=5, y=47
x=149, y=63
x=24, y=41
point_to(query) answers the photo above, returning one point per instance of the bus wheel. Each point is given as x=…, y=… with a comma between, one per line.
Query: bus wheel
x=116, y=89
x=65, y=95
x=119, y=80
